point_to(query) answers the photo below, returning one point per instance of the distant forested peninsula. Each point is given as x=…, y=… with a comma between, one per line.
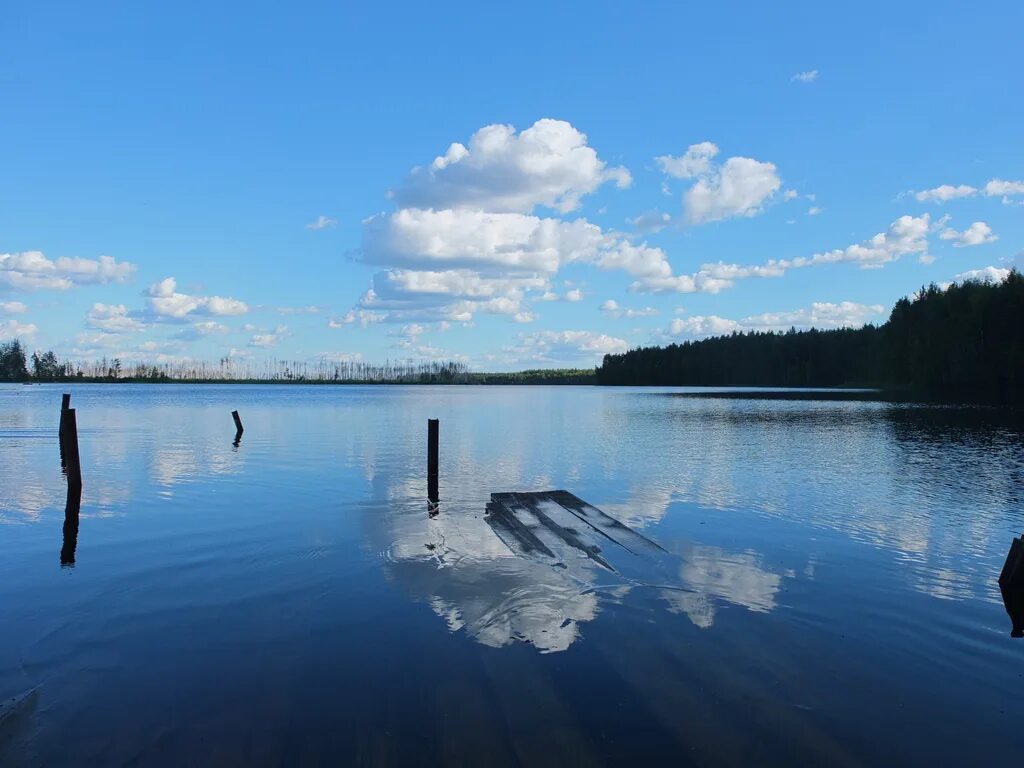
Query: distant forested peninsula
x=964, y=342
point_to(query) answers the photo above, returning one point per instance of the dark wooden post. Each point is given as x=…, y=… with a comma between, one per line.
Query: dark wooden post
x=433, y=426
x=65, y=403
x=70, y=441
x=238, y=427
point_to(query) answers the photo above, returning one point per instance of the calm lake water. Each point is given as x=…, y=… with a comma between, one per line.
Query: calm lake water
x=827, y=595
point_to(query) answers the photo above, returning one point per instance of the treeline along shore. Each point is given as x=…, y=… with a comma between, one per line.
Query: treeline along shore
x=17, y=365
x=963, y=343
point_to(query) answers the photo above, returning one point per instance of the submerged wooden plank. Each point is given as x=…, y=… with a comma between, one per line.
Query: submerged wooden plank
x=621, y=534
x=515, y=535
x=564, y=553
x=528, y=508
x=565, y=525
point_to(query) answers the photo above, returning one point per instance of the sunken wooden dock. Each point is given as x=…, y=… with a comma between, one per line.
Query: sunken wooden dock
x=559, y=526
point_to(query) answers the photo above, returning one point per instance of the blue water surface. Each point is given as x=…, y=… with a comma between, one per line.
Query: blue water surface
x=827, y=593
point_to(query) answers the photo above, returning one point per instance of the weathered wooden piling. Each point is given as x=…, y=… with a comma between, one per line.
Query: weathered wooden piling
x=65, y=403
x=238, y=427
x=433, y=428
x=69, y=440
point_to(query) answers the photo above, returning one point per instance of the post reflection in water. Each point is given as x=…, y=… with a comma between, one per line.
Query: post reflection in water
x=1013, y=601
x=71, y=512
x=1011, y=586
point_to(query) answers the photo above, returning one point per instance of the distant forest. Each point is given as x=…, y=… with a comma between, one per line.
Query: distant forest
x=962, y=343
x=16, y=365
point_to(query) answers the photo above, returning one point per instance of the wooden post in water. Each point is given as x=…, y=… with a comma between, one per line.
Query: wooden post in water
x=65, y=403
x=69, y=440
x=238, y=427
x=433, y=428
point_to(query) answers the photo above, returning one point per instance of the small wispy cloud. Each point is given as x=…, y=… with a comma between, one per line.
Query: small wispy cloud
x=612, y=309
x=650, y=222
x=269, y=339
x=322, y=222
x=805, y=77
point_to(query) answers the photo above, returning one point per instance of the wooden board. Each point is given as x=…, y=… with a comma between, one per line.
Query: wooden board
x=563, y=526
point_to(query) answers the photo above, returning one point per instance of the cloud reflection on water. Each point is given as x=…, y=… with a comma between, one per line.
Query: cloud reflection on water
x=456, y=564
x=713, y=574
x=931, y=487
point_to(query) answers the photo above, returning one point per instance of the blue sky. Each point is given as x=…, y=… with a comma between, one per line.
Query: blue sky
x=592, y=176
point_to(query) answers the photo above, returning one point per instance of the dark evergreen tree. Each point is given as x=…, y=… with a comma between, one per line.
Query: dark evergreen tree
x=13, y=365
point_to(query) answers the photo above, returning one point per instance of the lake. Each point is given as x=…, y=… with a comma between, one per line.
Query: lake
x=826, y=595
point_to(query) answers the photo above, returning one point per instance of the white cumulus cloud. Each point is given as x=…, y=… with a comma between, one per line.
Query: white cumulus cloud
x=983, y=275
x=997, y=187
x=740, y=186
x=979, y=233
x=474, y=255
x=423, y=238
x=696, y=161
x=548, y=164
x=805, y=77
x=166, y=302
x=112, y=318
x=993, y=188
x=944, y=193
x=822, y=315
x=907, y=235
x=32, y=270
x=13, y=307
x=13, y=329
x=702, y=325
x=565, y=346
